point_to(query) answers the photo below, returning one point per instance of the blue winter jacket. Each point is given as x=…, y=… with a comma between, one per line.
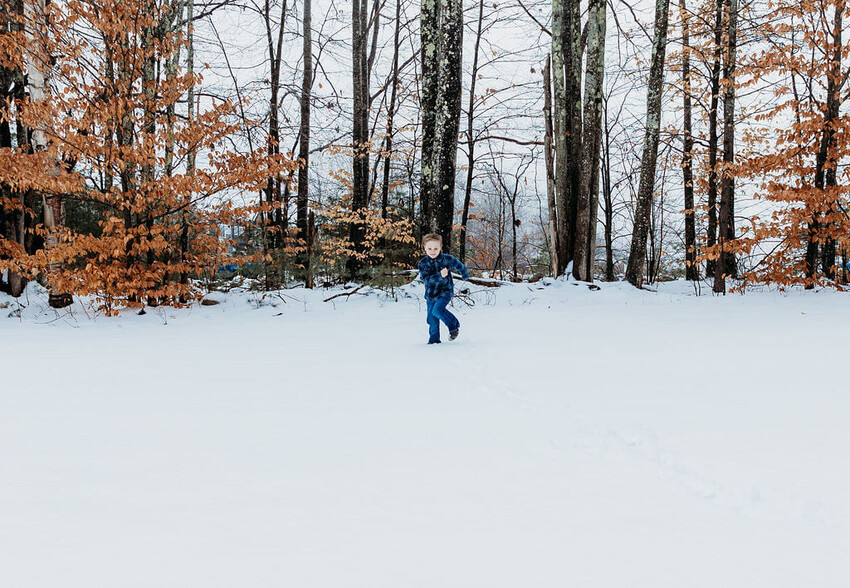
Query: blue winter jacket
x=436, y=286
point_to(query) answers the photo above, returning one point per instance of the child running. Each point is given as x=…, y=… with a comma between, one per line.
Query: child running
x=435, y=270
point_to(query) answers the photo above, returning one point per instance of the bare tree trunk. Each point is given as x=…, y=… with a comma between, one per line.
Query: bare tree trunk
x=550, y=167
x=588, y=200
x=447, y=32
x=513, y=239
x=125, y=134
x=275, y=237
x=470, y=139
x=12, y=222
x=302, y=220
x=171, y=66
x=360, y=136
x=691, y=268
x=192, y=155
x=388, y=144
x=38, y=67
x=566, y=65
x=637, y=254
x=834, y=100
x=608, y=203
x=36, y=58
x=560, y=127
x=448, y=116
x=148, y=135
x=712, y=136
x=13, y=229
x=726, y=231
x=430, y=39
x=572, y=66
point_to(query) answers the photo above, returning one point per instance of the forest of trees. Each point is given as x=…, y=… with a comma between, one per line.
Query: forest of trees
x=149, y=148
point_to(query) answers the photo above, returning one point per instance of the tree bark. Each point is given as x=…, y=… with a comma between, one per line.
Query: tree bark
x=691, y=267
x=190, y=114
x=444, y=38
x=191, y=157
x=38, y=67
x=637, y=254
x=560, y=34
x=711, y=238
x=13, y=221
x=171, y=67
x=360, y=137
x=727, y=265
x=302, y=217
x=277, y=215
x=566, y=65
x=448, y=116
x=388, y=144
x=430, y=40
x=826, y=160
x=572, y=65
x=470, y=139
x=607, y=196
x=588, y=200
x=550, y=167
x=152, y=34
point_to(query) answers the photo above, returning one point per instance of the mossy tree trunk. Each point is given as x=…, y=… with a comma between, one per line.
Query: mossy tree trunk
x=441, y=25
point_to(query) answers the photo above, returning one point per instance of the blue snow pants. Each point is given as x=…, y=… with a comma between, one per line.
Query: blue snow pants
x=437, y=312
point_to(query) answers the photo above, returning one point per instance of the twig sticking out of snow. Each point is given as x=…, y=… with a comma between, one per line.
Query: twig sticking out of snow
x=344, y=293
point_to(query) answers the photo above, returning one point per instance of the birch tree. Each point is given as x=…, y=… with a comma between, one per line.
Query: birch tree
x=38, y=68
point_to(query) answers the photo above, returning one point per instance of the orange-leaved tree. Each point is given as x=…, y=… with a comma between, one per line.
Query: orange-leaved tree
x=32, y=176
x=387, y=239
x=126, y=149
x=800, y=172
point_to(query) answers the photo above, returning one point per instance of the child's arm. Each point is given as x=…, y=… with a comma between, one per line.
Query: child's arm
x=458, y=266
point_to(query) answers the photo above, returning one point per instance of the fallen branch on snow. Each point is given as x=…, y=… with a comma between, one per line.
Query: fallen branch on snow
x=344, y=293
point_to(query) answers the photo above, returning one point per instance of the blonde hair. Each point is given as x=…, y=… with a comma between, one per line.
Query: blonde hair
x=432, y=237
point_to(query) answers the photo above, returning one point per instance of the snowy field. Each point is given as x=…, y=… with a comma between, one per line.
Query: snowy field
x=568, y=438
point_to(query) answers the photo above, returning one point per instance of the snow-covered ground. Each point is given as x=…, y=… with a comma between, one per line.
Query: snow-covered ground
x=569, y=437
